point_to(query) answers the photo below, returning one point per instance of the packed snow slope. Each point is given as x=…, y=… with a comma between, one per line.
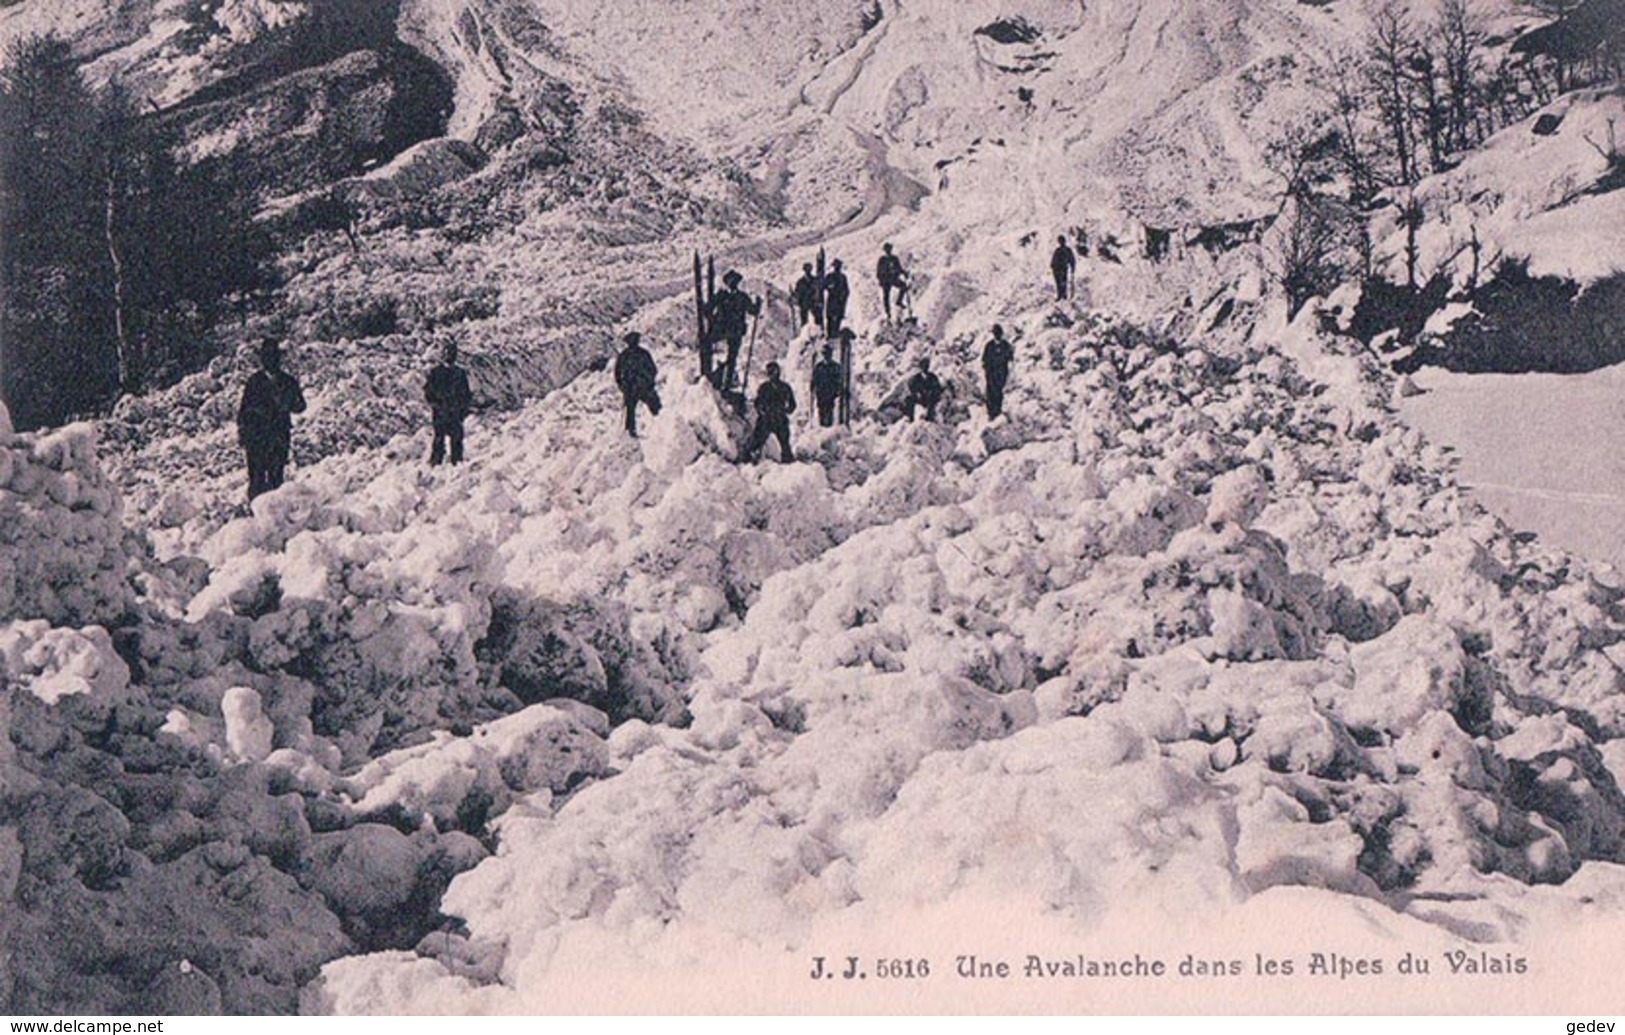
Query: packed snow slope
x=1197, y=635
x=1541, y=449
x=1187, y=627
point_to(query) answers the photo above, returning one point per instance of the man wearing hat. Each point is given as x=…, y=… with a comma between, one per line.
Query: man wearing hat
x=265, y=419
x=827, y=382
x=731, y=311
x=836, y=293
x=635, y=377
x=446, y=391
x=775, y=401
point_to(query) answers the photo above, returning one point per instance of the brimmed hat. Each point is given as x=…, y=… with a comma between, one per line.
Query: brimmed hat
x=732, y=277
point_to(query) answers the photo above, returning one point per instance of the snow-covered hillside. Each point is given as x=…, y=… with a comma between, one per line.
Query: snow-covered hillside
x=1197, y=636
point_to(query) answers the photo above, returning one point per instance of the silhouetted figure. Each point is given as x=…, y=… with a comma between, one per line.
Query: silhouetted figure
x=996, y=358
x=889, y=272
x=731, y=311
x=924, y=391
x=446, y=390
x=265, y=419
x=836, y=293
x=827, y=381
x=806, y=294
x=775, y=401
x=1062, y=263
x=635, y=377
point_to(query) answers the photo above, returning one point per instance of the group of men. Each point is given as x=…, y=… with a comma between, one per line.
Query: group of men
x=272, y=395
x=822, y=300
x=925, y=389
x=635, y=376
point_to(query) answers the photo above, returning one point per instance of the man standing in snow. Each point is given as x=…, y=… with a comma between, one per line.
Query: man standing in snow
x=889, y=272
x=924, y=391
x=446, y=390
x=836, y=293
x=635, y=377
x=806, y=295
x=1062, y=263
x=827, y=379
x=730, y=317
x=265, y=419
x=775, y=401
x=996, y=358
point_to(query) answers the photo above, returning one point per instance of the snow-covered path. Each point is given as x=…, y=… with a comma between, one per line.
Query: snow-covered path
x=1545, y=451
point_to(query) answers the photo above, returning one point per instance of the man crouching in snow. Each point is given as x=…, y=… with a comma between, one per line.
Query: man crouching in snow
x=775, y=401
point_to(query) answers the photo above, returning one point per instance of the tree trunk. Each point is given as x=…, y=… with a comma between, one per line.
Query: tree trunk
x=129, y=364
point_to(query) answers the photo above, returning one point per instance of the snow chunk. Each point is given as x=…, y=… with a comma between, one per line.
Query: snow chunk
x=53, y=664
x=248, y=731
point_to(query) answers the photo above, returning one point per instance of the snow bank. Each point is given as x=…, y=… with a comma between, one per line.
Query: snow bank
x=62, y=537
x=1164, y=641
x=1538, y=198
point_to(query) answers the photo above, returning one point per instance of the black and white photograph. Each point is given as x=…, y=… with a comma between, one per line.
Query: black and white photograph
x=535, y=507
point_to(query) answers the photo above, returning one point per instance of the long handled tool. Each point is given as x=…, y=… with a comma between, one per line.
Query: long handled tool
x=750, y=350
x=822, y=316
x=702, y=331
x=846, y=381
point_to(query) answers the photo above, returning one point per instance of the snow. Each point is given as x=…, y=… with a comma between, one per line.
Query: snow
x=1198, y=631
x=882, y=690
x=1540, y=449
x=56, y=663
x=1524, y=196
x=248, y=731
x=54, y=492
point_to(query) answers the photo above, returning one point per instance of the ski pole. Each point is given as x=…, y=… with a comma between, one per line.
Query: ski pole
x=750, y=350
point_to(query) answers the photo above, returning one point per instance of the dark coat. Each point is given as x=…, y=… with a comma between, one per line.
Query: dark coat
x=1064, y=260
x=996, y=359
x=634, y=371
x=446, y=390
x=806, y=290
x=731, y=311
x=775, y=401
x=889, y=270
x=836, y=290
x=926, y=388
x=265, y=415
x=827, y=380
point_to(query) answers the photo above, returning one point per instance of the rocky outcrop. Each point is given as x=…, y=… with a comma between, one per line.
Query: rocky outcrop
x=317, y=125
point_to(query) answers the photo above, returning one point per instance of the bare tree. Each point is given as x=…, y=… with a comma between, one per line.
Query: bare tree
x=1460, y=39
x=1390, y=47
x=1314, y=236
x=116, y=114
x=1349, y=104
x=1312, y=248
